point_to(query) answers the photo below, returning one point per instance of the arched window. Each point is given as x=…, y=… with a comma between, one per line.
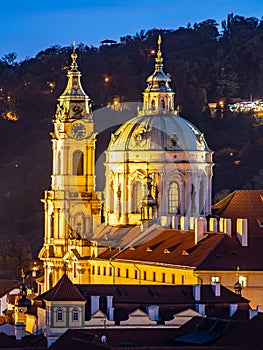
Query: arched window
x=137, y=196
x=162, y=104
x=75, y=314
x=202, y=197
x=173, y=198
x=78, y=163
x=60, y=314
x=153, y=104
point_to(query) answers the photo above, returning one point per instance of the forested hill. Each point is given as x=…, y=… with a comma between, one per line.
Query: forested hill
x=205, y=66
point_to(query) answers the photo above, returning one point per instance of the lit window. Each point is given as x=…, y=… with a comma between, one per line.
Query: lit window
x=60, y=314
x=173, y=198
x=243, y=281
x=215, y=279
x=75, y=314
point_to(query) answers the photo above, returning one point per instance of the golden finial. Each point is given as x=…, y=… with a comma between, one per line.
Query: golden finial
x=74, y=56
x=159, y=42
x=159, y=58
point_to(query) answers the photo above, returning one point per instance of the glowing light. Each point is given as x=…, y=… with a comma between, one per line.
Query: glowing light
x=51, y=85
x=152, y=52
x=10, y=116
x=106, y=79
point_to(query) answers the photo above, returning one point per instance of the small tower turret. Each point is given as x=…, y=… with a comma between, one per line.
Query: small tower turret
x=158, y=94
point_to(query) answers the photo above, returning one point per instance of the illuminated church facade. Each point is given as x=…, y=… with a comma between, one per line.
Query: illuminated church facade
x=151, y=226
x=158, y=168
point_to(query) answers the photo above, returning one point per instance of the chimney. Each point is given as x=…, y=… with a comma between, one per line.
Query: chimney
x=221, y=224
x=19, y=330
x=233, y=309
x=94, y=304
x=110, y=313
x=200, y=308
x=110, y=309
x=153, y=312
x=197, y=292
x=109, y=299
x=227, y=226
x=216, y=286
x=175, y=222
x=184, y=223
x=242, y=233
x=192, y=223
x=199, y=229
x=213, y=225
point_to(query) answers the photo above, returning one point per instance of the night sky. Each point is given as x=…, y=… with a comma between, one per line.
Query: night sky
x=27, y=27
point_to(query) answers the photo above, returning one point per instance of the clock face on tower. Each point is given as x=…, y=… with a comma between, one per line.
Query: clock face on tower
x=78, y=131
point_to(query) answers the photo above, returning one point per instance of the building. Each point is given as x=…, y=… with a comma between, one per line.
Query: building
x=122, y=307
x=159, y=225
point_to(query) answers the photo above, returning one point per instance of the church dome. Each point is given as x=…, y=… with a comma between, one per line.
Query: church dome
x=153, y=132
x=158, y=165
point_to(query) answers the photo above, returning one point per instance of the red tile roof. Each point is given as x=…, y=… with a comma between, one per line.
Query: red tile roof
x=174, y=247
x=243, y=204
x=64, y=290
x=141, y=295
x=229, y=254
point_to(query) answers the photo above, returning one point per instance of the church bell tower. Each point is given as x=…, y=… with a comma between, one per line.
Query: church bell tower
x=72, y=207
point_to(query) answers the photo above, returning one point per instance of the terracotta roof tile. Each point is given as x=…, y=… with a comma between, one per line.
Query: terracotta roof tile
x=64, y=290
x=141, y=295
x=180, y=244
x=243, y=204
x=229, y=254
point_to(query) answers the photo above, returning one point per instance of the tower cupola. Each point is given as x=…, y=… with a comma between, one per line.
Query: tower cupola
x=158, y=94
x=74, y=103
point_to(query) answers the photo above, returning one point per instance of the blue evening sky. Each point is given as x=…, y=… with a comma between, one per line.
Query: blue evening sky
x=29, y=26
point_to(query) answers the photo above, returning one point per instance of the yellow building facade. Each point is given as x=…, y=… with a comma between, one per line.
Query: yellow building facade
x=72, y=207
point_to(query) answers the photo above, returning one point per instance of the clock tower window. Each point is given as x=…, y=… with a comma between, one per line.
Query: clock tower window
x=78, y=163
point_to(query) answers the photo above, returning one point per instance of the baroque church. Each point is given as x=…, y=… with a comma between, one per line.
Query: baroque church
x=158, y=165
x=153, y=224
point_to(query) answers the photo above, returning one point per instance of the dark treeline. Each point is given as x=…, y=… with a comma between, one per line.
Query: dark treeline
x=205, y=66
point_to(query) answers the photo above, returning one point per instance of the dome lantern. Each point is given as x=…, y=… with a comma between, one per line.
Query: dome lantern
x=158, y=95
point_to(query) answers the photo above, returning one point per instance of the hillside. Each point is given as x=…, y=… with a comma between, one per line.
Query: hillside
x=205, y=66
